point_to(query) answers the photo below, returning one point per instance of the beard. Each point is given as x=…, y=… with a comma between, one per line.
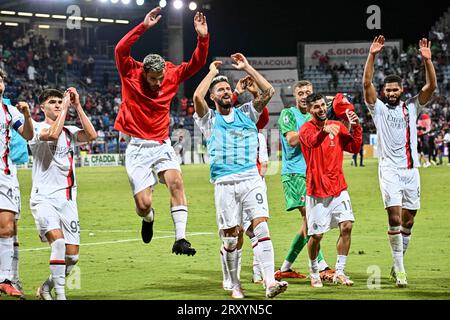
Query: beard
x=393, y=104
x=225, y=105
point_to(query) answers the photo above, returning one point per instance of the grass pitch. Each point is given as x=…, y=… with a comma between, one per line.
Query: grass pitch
x=115, y=264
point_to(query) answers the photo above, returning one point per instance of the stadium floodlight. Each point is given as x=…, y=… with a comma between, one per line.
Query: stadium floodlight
x=90, y=19
x=114, y=1
x=11, y=13
x=139, y=2
x=162, y=3
x=43, y=26
x=42, y=15
x=178, y=4
x=103, y=1
x=25, y=14
x=126, y=1
x=11, y=24
x=122, y=21
x=58, y=16
x=192, y=5
x=107, y=20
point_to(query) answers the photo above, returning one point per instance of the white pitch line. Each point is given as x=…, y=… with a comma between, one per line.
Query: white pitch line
x=100, y=230
x=117, y=241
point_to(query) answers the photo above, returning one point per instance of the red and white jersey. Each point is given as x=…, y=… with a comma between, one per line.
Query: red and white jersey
x=53, y=171
x=397, y=133
x=10, y=118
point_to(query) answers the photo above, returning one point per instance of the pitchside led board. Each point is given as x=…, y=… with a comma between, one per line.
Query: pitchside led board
x=281, y=72
x=355, y=52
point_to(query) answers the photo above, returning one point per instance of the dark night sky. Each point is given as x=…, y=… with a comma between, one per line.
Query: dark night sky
x=273, y=28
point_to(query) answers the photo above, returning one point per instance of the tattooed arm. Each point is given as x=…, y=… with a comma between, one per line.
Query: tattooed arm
x=267, y=90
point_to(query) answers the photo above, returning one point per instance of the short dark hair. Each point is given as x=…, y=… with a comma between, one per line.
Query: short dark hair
x=216, y=80
x=393, y=78
x=47, y=93
x=154, y=63
x=3, y=74
x=301, y=83
x=314, y=97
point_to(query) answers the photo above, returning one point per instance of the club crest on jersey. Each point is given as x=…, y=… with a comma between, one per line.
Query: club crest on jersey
x=286, y=119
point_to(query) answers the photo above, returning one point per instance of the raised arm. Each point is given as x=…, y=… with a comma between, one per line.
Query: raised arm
x=370, y=93
x=431, y=84
x=266, y=88
x=52, y=133
x=200, y=54
x=200, y=105
x=26, y=130
x=124, y=61
x=88, y=133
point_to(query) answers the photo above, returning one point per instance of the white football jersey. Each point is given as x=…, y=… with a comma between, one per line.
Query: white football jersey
x=53, y=171
x=10, y=119
x=397, y=133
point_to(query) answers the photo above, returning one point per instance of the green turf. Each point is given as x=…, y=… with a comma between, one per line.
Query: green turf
x=132, y=270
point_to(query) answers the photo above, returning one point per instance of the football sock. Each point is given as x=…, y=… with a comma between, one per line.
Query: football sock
x=340, y=264
x=179, y=217
x=264, y=252
x=396, y=242
x=58, y=267
x=6, y=258
x=406, y=237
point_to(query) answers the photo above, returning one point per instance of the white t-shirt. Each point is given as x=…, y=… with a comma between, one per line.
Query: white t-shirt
x=10, y=118
x=206, y=125
x=397, y=132
x=53, y=170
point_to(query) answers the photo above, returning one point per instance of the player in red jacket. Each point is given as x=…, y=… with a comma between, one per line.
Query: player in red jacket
x=147, y=91
x=323, y=143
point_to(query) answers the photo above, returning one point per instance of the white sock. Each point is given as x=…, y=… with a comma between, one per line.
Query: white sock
x=58, y=267
x=323, y=265
x=239, y=264
x=406, y=237
x=149, y=217
x=223, y=262
x=179, y=217
x=314, y=267
x=71, y=261
x=286, y=266
x=231, y=259
x=264, y=252
x=6, y=258
x=257, y=267
x=15, y=262
x=396, y=242
x=340, y=264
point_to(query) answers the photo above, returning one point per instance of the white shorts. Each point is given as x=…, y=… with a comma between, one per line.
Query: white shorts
x=51, y=214
x=240, y=202
x=10, y=199
x=324, y=214
x=400, y=187
x=144, y=162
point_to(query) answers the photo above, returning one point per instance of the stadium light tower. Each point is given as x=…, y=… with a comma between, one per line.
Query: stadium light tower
x=139, y=2
x=114, y=1
x=162, y=3
x=178, y=4
x=192, y=6
x=126, y=1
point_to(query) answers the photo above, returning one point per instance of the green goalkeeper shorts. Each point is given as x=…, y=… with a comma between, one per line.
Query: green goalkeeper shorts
x=294, y=186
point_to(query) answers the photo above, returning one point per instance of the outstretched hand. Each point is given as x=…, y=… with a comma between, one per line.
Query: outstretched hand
x=240, y=61
x=200, y=25
x=152, y=17
x=377, y=45
x=332, y=129
x=214, y=66
x=424, y=48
